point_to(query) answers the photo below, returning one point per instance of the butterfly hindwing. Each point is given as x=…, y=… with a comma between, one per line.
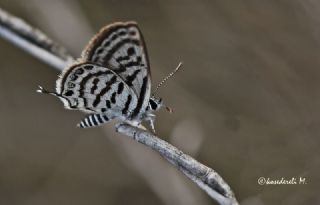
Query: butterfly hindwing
x=120, y=47
x=96, y=89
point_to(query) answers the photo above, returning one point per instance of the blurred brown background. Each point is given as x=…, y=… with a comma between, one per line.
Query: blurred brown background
x=247, y=104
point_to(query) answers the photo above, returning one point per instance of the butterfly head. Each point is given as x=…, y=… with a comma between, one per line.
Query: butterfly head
x=156, y=103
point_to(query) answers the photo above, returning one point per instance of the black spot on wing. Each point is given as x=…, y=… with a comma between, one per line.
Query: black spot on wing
x=114, y=37
x=132, y=77
x=122, y=33
x=132, y=63
x=108, y=104
x=106, y=43
x=104, y=90
x=94, y=85
x=127, y=104
x=99, y=51
x=73, y=77
x=113, y=97
x=117, y=46
x=103, y=38
x=124, y=67
x=79, y=71
x=85, y=80
x=71, y=85
x=131, y=51
x=69, y=93
x=88, y=67
x=141, y=97
x=122, y=58
x=72, y=73
x=120, y=87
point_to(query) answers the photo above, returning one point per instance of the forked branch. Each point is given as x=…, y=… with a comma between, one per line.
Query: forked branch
x=39, y=45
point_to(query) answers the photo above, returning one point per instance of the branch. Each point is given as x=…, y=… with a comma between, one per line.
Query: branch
x=39, y=45
x=205, y=177
x=33, y=41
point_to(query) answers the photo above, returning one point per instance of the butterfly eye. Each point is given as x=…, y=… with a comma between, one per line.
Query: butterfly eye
x=153, y=105
x=160, y=100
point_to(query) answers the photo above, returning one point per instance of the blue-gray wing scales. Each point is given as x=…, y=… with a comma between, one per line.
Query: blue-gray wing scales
x=96, y=90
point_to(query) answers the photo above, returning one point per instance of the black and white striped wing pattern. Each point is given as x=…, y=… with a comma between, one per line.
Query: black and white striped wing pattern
x=97, y=90
x=121, y=48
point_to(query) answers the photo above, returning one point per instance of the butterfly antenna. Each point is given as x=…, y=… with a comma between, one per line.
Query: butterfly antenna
x=167, y=77
x=42, y=90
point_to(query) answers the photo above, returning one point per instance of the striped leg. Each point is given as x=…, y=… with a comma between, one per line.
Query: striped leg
x=94, y=120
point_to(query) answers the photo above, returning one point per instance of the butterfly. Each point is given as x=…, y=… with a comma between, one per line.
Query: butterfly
x=111, y=79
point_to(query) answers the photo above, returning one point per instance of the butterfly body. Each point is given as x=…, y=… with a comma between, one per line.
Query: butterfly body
x=111, y=80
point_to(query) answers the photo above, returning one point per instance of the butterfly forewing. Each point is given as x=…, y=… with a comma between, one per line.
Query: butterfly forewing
x=96, y=89
x=120, y=47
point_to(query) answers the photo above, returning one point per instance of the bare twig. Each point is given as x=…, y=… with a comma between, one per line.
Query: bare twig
x=33, y=41
x=205, y=177
x=39, y=45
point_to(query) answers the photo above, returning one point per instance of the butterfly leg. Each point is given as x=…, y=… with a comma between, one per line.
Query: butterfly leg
x=94, y=120
x=136, y=124
x=151, y=118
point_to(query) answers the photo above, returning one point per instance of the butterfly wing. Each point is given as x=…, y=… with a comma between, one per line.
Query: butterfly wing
x=120, y=47
x=96, y=89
